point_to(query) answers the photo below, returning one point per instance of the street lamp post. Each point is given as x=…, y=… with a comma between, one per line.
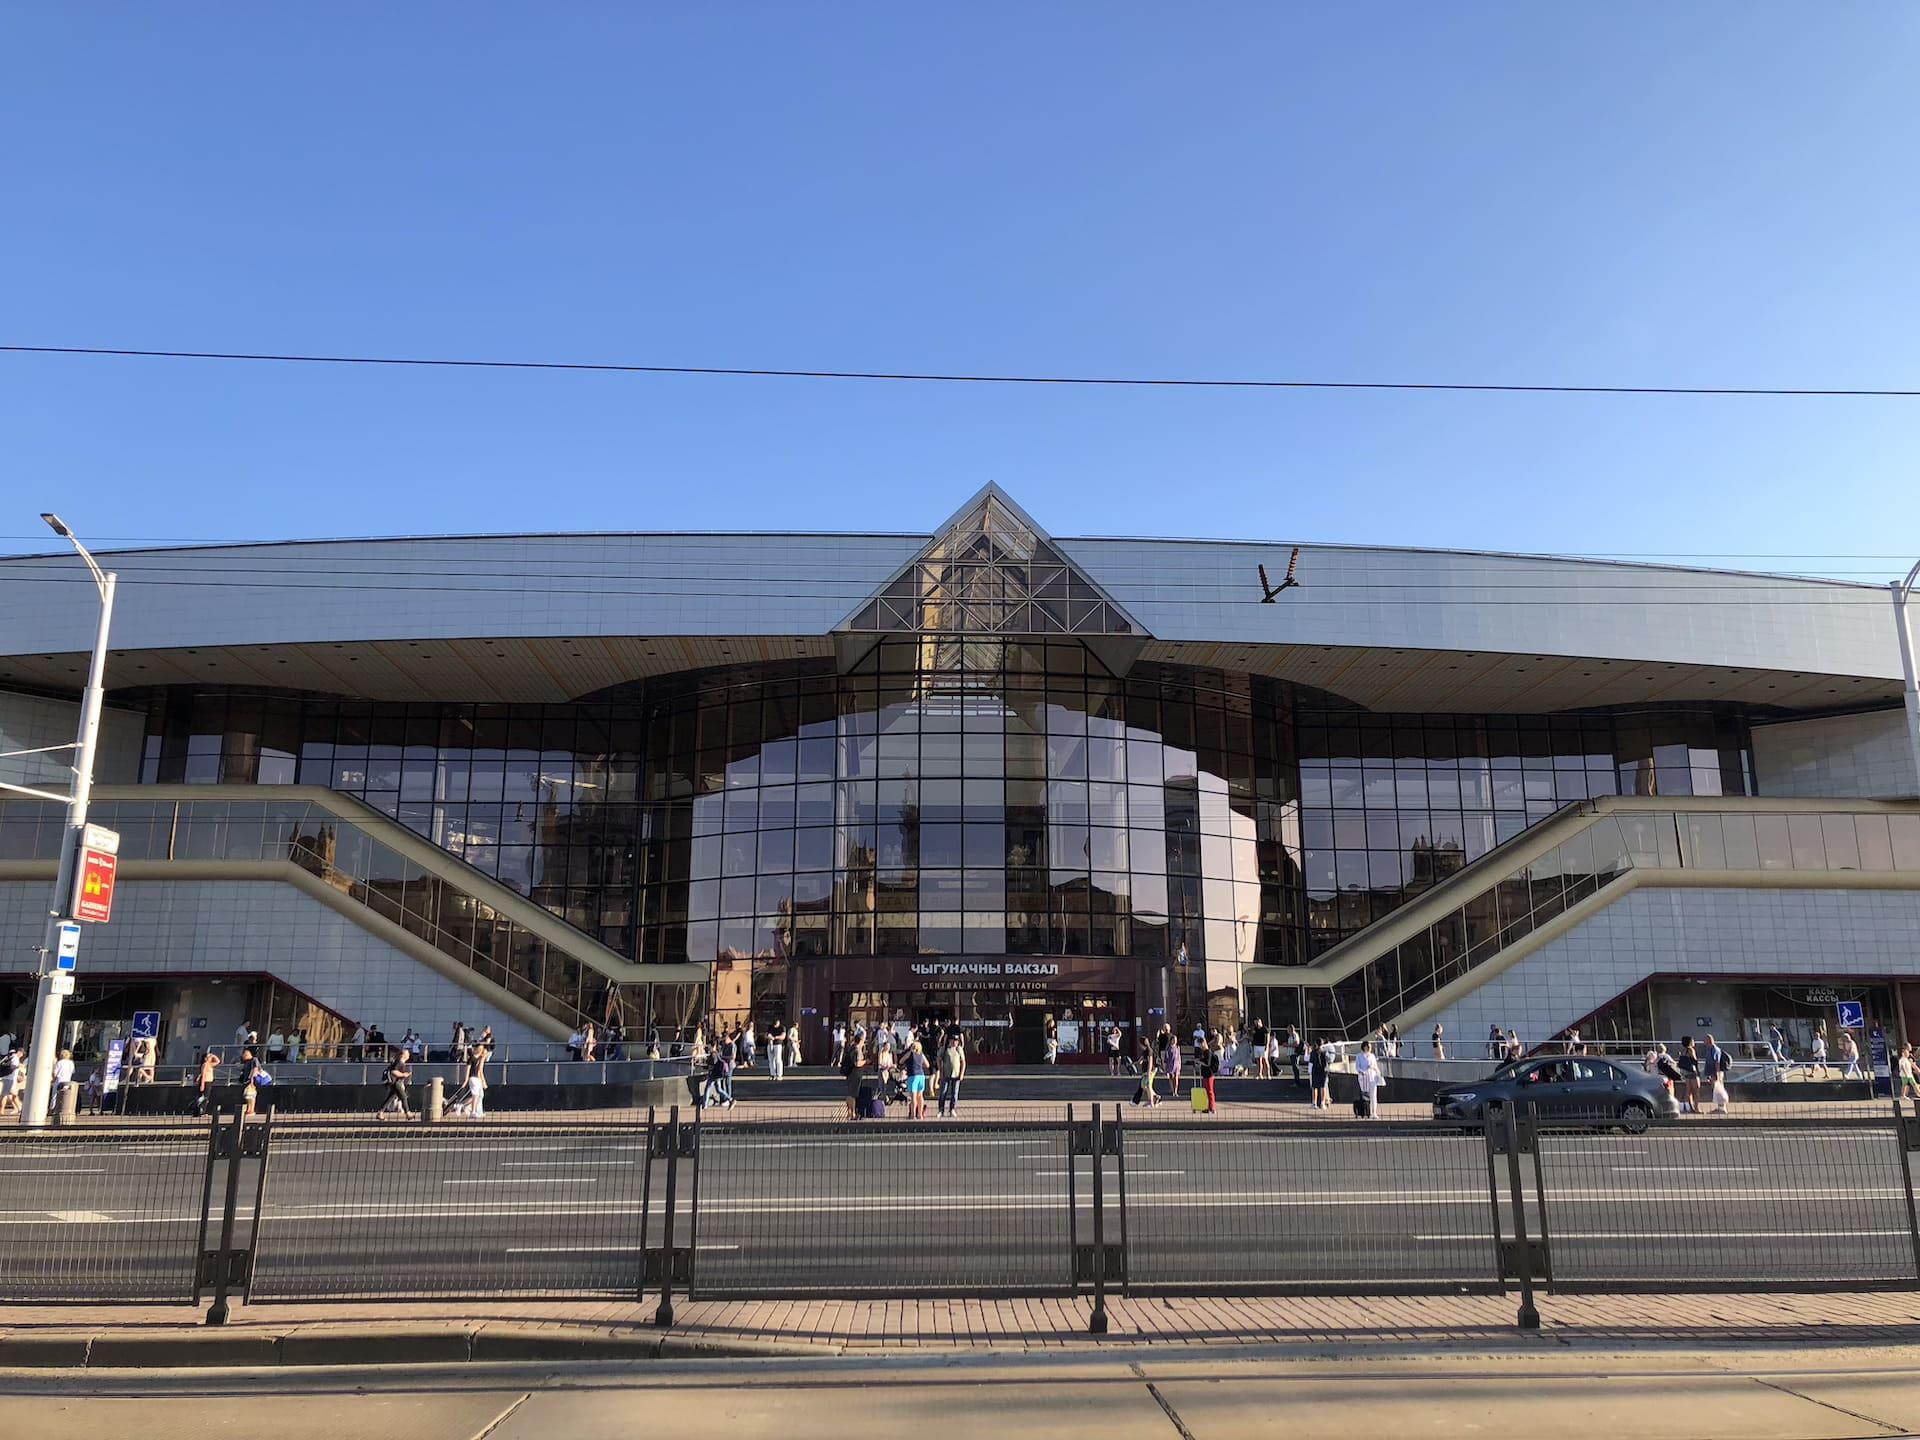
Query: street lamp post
x=46, y=1015
x=1902, y=597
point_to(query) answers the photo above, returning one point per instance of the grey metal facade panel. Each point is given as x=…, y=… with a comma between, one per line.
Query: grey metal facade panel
x=768, y=585
x=407, y=589
x=1478, y=603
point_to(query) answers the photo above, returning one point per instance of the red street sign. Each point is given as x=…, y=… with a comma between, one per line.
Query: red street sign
x=93, y=888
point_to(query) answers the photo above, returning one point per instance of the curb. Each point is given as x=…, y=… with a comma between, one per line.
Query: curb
x=304, y=1346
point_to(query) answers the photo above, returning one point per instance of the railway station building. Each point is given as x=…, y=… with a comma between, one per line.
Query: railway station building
x=984, y=774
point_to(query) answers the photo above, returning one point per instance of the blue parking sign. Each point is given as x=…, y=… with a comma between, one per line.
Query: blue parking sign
x=1853, y=1014
x=146, y=1024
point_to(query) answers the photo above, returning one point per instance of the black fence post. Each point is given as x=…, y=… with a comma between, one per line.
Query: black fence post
x=663, y=1317
x=206, y=1205
x=1901, y=1142
x=263, y=1150
x=223, y=1265
x=646, y=1210
x=1073, y=1198
x=1529, y=1317
x=1120, y=1176
x=1493, y=1139
x=693, y=1218
x=1097, y=1322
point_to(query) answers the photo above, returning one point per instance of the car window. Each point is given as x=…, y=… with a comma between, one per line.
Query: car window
x=1546, y=1072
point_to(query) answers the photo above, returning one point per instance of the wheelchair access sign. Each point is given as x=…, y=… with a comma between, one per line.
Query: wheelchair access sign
x=1852, y=1013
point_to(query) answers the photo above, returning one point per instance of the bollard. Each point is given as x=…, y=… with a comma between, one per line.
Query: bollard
x=66, y=1104
x=436, y=1106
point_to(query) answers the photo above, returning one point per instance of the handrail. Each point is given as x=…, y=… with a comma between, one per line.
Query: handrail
x=1481, y=923
x=304, y=827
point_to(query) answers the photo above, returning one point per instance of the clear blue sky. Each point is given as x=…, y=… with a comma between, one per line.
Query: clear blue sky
x=1615, y=193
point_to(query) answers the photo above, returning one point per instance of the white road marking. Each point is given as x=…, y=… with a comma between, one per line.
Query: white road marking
x=551, y=1164
x=531, y=1180
x=79, y=1217
x=53, y=1170
x=594, y=1249
x=1707, y=1167
x=1696, y=1235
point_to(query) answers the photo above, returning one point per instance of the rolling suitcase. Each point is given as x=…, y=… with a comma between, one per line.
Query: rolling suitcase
x=1198, y=1095
x=1362, y=1106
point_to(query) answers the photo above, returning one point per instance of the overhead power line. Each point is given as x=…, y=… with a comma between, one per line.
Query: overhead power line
x=945, y=378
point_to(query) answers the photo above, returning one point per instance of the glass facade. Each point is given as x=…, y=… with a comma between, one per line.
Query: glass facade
x=1393, y=804
x=952, y=796
x=1518, y=900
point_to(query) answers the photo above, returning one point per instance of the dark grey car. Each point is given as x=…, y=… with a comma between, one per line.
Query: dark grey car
x=1573, y=1089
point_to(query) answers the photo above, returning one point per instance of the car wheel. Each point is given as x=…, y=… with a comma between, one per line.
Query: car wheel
x=1635, y=1115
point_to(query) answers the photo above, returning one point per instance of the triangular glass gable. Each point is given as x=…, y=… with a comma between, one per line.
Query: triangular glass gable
x=990, y=571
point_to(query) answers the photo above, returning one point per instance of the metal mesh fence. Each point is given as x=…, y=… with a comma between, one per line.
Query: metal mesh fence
x=1383, y=1205
x=1811, y=1199
x=402, y=1211
x=849, y=1208
x=104, y=1213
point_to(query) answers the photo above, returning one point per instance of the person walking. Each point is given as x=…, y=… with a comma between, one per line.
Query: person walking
x=1819, y=1058
x=839, y=1043
x=916, y=1068
x=1317, y=1074
x=1294, y=1047
x=1496, y=1042
x=1173, y=1065
x=749, y=1045
x=13, y=1065
x=1111, y=1042
x=1689, y=1062
x=953, y=1069
x=398, y=1075
x=793, y=1046
x=203, y=1091
x=62, y=1075
x=1849, y=1056
x=850, y=1060
x=1262, y=1062
x=142, y=1060
x=1053, y=1041
x=1366, y=1070
x=1714, y=1065
x=589, y=1041
x=1149, y=1065
x=1439, y=1043
x=719, y=1084
x=1207, y=1060
x=1904, y=1075
x=777, y=1049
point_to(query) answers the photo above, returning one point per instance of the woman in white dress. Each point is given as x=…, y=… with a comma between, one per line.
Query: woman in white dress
x=1366, y=1070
